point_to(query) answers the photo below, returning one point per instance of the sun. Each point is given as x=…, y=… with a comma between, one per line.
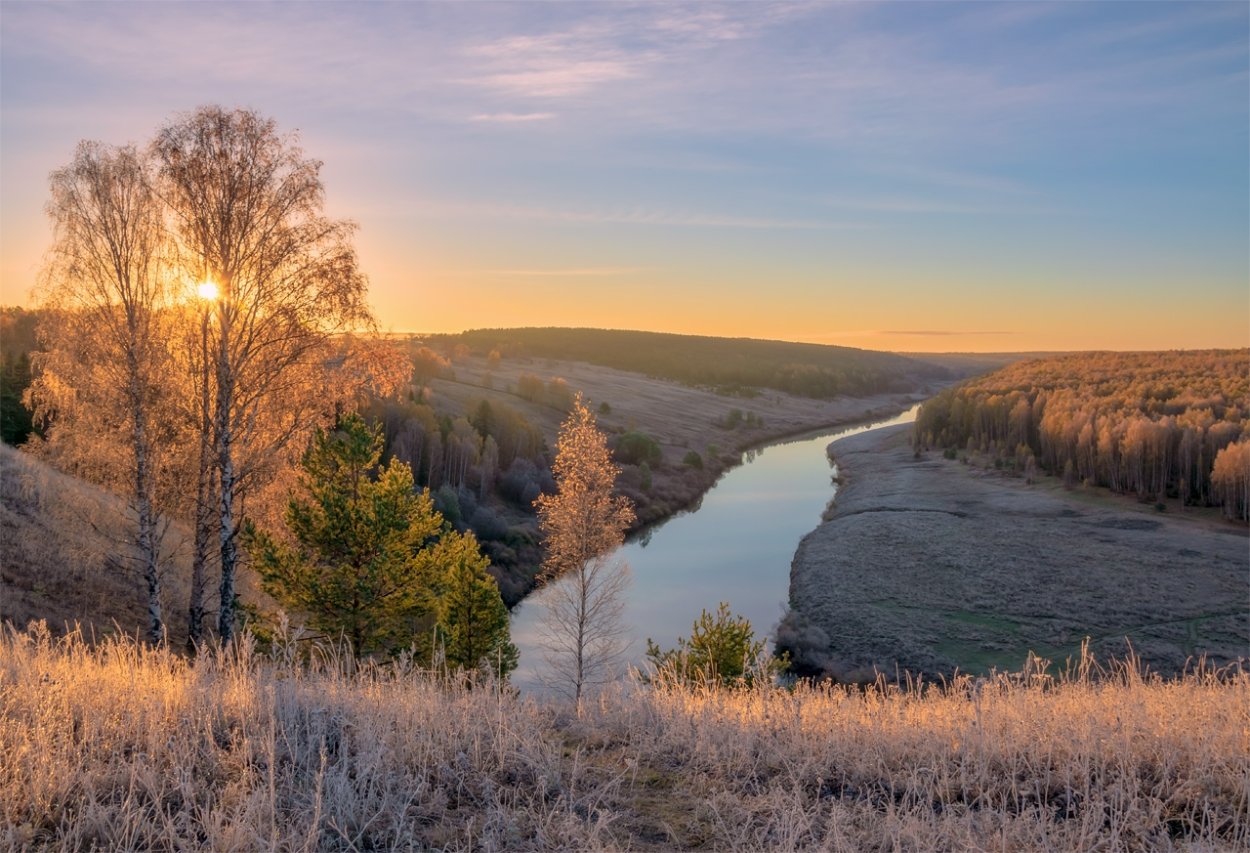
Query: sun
x=207, y=290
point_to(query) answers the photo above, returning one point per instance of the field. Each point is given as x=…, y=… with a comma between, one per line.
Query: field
x=121, y=747
x=930, y=564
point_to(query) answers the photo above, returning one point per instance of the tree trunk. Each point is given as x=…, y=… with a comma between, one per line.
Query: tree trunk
x=199, y=557
x=147, y=537
x=203, y=504
x=226, y=529
x=225, y=467
x=146, y=533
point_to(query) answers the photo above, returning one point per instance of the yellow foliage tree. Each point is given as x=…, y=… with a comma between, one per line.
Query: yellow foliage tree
x=583, y=523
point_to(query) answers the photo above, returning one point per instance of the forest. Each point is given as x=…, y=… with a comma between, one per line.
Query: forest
x=737, y=366
x=1156, y=425
x=484, y=469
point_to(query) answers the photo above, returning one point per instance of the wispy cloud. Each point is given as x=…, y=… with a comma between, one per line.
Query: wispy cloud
x=898, y=205
x=512, y=118
x=553, y=65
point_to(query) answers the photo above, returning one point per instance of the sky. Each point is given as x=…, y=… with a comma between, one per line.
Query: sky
x=905, y=176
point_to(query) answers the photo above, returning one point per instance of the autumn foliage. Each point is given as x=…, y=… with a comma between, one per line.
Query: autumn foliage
x=1157, y=425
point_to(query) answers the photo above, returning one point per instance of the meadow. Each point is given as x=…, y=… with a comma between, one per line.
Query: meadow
x=116, y=745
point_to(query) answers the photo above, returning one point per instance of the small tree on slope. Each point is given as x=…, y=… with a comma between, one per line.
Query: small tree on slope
x=582, y=524
x=722, y=649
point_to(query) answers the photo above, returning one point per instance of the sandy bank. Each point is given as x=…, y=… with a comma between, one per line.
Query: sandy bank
x=930, y=564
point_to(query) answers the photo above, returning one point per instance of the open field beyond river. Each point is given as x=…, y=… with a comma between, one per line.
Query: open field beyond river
x=930, y=564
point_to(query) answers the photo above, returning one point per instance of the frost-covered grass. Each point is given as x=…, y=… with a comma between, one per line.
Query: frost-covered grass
x=117, y=746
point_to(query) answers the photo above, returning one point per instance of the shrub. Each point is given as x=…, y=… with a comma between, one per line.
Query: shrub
x=693, y=459
x=519, y=484
x=487, y=524
x=529, y=387
x=559, y=395
x=635, y=448
x=722, y=649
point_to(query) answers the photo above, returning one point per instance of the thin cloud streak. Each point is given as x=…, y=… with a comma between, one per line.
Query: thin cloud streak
x=512, y=118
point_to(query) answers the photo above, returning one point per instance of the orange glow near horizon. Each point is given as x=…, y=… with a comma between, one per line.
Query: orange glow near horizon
x=880, y=314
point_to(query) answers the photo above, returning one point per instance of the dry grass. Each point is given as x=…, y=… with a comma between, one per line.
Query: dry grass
x=121, y=747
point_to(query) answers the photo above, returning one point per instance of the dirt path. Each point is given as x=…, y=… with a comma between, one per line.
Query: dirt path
x=930, y=564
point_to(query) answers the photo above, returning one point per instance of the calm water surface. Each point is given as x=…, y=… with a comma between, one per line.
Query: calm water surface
x=735, y=547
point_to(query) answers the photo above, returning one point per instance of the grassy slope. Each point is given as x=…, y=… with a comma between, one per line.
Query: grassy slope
x=124, y=748
x=680, y=418
x=63, y=550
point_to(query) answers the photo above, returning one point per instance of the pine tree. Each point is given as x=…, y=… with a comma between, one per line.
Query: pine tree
x=722, y=649
x=361, y=567
x=472, y=618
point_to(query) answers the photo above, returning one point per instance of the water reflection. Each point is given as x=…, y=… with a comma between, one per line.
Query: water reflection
x=735, y=546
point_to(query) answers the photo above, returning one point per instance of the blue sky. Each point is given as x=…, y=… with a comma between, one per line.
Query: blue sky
x=914, y=176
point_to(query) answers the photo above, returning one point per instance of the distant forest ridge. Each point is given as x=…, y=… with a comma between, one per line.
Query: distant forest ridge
x=1155, y=424
x=729, y=365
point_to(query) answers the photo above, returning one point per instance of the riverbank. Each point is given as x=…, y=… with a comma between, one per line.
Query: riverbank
x=699, y=434
x=926, y=564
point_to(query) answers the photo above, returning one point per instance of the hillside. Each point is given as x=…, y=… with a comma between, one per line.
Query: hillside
x=63, y=556
x=729, y=365
x=59, y=536
x=965, y=364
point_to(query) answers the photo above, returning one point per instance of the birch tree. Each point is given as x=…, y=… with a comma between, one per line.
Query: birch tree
x=103, y=369
x=582, y=525
x=1230, y=479
x=246, y=208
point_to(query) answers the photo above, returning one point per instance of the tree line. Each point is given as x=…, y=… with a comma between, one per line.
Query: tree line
x=1159, y=424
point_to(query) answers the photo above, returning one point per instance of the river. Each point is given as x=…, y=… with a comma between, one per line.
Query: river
x=736, y=546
